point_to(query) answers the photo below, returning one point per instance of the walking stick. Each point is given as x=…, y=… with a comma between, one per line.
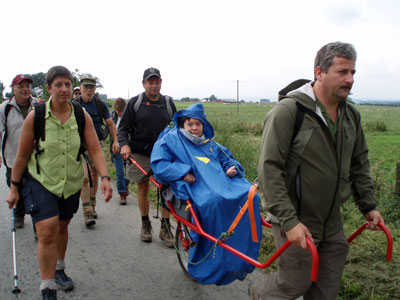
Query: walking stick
x=16, y=290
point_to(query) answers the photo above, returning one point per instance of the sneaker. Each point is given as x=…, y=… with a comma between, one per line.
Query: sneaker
x=166, y=235
x=48, y=294
x=89, y=220
x=145, y=234
x=19, y=222
x=122, y=198
x=63, y=281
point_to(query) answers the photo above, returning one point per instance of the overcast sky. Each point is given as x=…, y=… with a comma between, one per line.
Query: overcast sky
x=201, y=47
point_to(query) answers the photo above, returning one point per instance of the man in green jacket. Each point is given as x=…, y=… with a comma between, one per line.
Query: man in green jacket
x=306, y=176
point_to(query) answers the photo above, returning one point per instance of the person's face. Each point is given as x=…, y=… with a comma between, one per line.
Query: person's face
x=88, y=92
x=76, y=93
x=194, y=126
x=339, y=79
x=152, y=87
x=22, y=91
x=61, y=89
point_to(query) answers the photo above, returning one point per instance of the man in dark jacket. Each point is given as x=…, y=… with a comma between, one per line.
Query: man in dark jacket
x=137, y=132
x=305, y=177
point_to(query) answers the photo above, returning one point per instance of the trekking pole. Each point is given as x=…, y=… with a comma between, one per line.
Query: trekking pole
x=16, y=290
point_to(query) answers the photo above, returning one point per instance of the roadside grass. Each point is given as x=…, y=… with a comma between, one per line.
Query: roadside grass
x=367, y=274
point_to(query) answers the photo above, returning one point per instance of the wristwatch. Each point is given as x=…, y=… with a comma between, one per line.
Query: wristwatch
x=108, y=177
x=18, y=184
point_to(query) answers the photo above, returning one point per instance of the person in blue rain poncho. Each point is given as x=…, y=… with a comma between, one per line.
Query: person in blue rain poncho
x=199, y=169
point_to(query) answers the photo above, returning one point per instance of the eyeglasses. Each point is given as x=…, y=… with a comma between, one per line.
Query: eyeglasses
x=77, y=93
x=23, y=85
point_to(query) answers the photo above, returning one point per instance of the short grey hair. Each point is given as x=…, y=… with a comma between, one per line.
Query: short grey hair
x=327, y=53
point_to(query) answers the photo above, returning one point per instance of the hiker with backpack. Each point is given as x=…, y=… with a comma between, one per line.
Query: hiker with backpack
x=307, y=173
x=12, y=115
x=144, y=117
x=122, y=182
x=98, y=111
x=50, y=149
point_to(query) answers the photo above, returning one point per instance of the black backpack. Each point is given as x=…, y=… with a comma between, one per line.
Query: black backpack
x=39, y=128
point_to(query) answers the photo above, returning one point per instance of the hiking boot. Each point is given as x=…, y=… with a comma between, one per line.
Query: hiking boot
x=89, y=220
x=122, y=198
x=166, y=234
x=19, y=222
x=145, y=234
x=93, y=203
x=63, y=281
x=48, y=294
x=88, y=214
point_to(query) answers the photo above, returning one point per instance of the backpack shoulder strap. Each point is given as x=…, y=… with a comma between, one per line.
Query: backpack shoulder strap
x=39, y=121
x=4, y=140
x=38, y=129
x=99, y=108
x=168, y=100
x=138, y=102
x=80, y=120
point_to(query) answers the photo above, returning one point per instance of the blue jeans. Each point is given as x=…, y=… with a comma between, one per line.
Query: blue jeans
x=122, y=182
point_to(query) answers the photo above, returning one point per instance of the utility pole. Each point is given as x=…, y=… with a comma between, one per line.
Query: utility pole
x=237, y=96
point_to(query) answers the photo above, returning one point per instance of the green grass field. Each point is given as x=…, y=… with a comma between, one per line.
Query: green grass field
x=367, y=275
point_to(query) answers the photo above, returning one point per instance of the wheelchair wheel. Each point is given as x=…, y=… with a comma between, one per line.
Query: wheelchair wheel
x=182, y=241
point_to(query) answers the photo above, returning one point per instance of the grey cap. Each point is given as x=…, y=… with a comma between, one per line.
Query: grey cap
x=150, y=72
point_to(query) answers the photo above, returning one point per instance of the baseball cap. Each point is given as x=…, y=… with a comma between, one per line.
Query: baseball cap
x=150, y=72
x=77, y=88
x=21, y=77
x=88, y=80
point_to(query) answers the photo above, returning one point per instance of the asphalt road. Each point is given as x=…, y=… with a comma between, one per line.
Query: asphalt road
x=106, y=262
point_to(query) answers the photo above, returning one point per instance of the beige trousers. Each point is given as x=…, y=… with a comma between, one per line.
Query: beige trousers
x=293, y=277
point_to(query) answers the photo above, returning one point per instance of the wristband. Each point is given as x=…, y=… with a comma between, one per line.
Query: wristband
x=18, y=184
x=108, y=177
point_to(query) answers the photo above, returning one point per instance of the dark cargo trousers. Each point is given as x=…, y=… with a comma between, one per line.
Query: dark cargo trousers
x=293, y=277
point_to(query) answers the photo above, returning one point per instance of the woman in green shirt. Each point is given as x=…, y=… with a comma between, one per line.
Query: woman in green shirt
x=54, y=177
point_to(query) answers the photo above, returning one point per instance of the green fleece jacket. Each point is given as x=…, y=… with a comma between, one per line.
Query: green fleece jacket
x=308, y=179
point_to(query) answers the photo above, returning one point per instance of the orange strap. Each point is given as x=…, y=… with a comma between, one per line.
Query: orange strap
x=248, y=204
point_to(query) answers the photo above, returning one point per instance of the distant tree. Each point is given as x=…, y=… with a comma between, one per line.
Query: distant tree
x=185, y=99
x=2, y=87
x=212, y=98
x=39, y=79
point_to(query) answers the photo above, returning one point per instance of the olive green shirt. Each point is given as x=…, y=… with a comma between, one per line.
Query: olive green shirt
x=60, y=172
x=331, y=126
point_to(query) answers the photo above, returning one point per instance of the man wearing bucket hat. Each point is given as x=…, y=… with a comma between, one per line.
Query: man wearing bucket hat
x=144, y=117
x=98, y=111
x=12, y=115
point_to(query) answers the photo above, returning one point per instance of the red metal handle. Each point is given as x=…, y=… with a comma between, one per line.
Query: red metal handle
x=198, y=228
x=389, y=238
x=152, y=179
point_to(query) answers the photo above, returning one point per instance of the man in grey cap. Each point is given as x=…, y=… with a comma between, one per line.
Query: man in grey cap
x=99, y=112
x=12, y=115
x=144, y=117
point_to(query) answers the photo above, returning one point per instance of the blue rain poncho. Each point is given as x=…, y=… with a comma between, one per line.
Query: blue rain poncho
x=216, y=198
